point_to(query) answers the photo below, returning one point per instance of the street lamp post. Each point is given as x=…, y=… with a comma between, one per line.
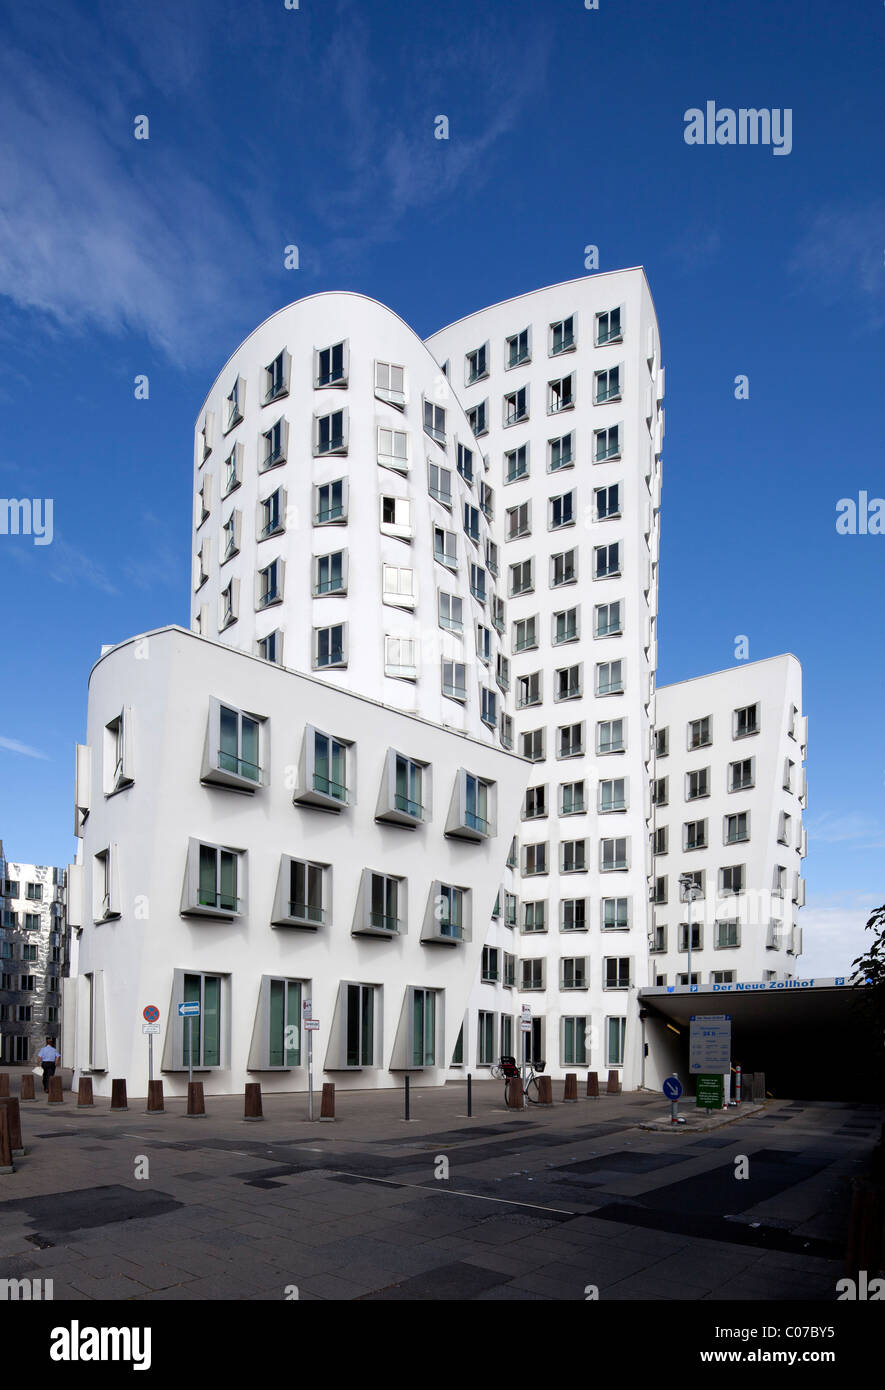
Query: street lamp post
x=690, y=891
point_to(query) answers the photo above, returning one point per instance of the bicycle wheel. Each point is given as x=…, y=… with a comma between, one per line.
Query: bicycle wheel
x=507, y=1091
x=531, y=1090
x=495, y=1072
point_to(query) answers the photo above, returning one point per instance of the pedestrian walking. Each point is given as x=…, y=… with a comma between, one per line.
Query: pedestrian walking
x=48, y=1058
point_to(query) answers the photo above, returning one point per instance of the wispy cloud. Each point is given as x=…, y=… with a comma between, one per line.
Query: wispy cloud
x=68, y=565
x=696, y=249
x=840, y=258
x=833, y=936
x=12, y=745
x=862, y=832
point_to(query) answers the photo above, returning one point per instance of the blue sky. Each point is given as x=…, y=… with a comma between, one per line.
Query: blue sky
x=314, y=126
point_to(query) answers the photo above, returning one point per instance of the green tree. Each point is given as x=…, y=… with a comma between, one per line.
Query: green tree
x=869, y=984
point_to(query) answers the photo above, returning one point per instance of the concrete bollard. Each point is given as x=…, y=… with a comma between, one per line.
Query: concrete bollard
x=570, y=1088
x=28, y=1086
x=4, y=1083
x=119, y=1100
x=85, y=1099
x=759, y=1085
x=253, y=1110
x=327, y=1105
x=6, y=1163
x=196, y=1103
x=514, y=1093
x=545, y=1090
x=155, y=1104
x=14, y=1124
x=613, y=1087
x=56, y=1093
x=593, y=1083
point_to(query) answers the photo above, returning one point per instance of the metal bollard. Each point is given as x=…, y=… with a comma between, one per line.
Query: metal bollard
x=469, y=1096
x=196, y=1104
x=118, y=1094
x=253, y=1110
x=327, y=1106
x=407, y=1116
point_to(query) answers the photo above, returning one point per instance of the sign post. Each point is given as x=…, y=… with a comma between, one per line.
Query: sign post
x=150, y=1014
x=306, y=1008
x=672, y=1089
x=189, y=1011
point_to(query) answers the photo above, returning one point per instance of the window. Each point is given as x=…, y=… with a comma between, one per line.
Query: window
x=722, y=977
x=283, y=1003
x=789, y=768
x=401, y=658
x=384, y=904
x=491, y=550
x=478, y=583
x=561, y=511
x=396, y=517
x=607, y=444
x=525, y=636
x=528, y=690
x=608, y=327
x=517, y=349
x=505, y=731
x=609, y=677
x=451, y=612
x=465, y=463
x=435, y=421
x=233, y=757
x=32, y=921
x=478, y=418
x=439, y=483
x=270, y=584
x=574, y=1039
x=694, y=835
x=607, y=560
x=485, y=1041
x=662, y=743
x=507, y=1022
x=29, y=953
x=330, y=433
x=779, y=880
x=608, y=385
x=26, y=983
x=445, y=547
x=402, y=796
x=573, y=972
x=660, y=795
x=613, y=795
x=516, y=406
x=329, y=647
x=331, y=366
x=454, y=680
x=561, y=394
x=737, y=828
x=697, y=784
x=398, y=586
x=270, y=514
x=699, y=733
x=477, y=364
x=535, y=803
x=658, y=938
x=615, y=914
x=573, y=856
x=728, y=934
x=615, y=1034
x=303, y=894
x=273, y=450
x=616, y=972
x=324, y=771
x=359, y=1026
x=519, y=521
x=608, y=619
x=732, y=878
x=533, y=974
x=488, y=707
x=213, y=880
x=570, y=741
x=390, y=384
x=448, y=918
x=230, y=537
x=118, y=756
x=613, y=855
x=573, y=914
x=783, y=832
x=522, y=578
x=270, y=648
x=563, y=568
x=487, y=499
x=330, y=503
x=660, y=840
x=746, y=721
x=516, y=464
x=607, y=502
x=562, y=336
x=565, y=626
x=571, y=799
x=560, y=452
x=490, y=970
x=393, y=449
x=276, y=377
x=532, y=745
x=233, y=472
x=534, y=859
x=510, y=906
x=610, y=736
x=235, y=404
x=567, y=683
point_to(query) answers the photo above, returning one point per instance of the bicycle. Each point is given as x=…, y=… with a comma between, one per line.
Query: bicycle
x=508, y=1070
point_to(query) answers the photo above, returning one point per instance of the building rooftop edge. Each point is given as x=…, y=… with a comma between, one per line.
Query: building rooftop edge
x=730, y=670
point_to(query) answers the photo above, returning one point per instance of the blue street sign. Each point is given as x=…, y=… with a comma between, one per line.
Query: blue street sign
x=672, y=1088
x=189, y=1010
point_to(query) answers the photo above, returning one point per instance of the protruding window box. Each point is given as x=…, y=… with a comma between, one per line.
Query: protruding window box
x=303, y=895
x=380, y=906
x=405, y=791
x=448, y=915
x=324, y=772
x=473, y=810
x=235, y=749
x=214, y=881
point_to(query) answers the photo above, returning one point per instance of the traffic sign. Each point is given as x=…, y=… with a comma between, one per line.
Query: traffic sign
x=150, y=1027
x=526, y=1012
x=311, y=1023
x=672, y=1088
x=307, y=1008
x=150, y=1013
x=525, y=1025
x=189, y=1010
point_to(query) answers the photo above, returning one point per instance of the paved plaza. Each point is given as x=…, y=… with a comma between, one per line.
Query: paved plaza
x=562, y=1203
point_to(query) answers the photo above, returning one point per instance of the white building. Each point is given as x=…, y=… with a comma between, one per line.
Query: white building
x=33, y=957
x=563, y=388
x=729, y=793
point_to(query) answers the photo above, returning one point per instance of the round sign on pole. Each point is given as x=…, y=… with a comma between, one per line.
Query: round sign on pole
x=672, y=1088
x=151, y=1013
